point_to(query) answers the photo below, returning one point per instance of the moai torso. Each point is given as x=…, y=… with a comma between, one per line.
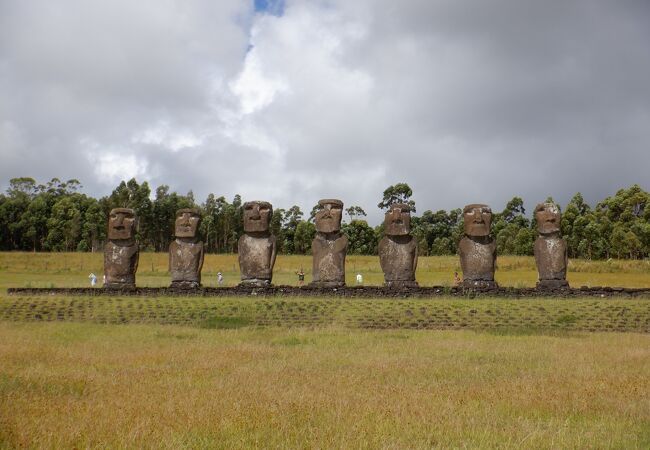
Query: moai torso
x=256, y=257
x=551, y=257
x=329, y=259
x=477, y=258
x=120, y=264
x=186, y=262
x=398, y=258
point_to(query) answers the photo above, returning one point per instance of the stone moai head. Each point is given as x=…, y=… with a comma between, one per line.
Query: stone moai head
x=478, y=220
x=328, y=217
x=257, y=216
x=187, y=223
x=548, y=218
x=122, y=224
x=397, y=221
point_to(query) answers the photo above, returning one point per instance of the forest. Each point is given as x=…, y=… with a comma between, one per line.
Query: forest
x=57, y=216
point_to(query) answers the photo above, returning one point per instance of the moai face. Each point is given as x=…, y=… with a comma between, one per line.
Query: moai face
x=187, y=223
x=548, y=218
x=397, y=221
x=328, y=218
x=478, y=219
x=257, y=216
x=122, y=224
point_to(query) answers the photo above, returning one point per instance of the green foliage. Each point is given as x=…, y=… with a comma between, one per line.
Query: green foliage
x=398, y=193
x=362, y=239
x=355, y=211
x=55, y=216
x=305, y=232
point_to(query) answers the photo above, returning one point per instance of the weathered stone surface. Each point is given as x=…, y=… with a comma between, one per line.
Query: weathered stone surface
x=370, y=292
x=257, y=247
x=329, y=247
x=477, y=250
x=186, y=251
x=551, y=253
x=121, y=252
x=398, y=251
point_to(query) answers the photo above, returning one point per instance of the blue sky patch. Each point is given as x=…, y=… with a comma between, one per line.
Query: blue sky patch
x=273, y=7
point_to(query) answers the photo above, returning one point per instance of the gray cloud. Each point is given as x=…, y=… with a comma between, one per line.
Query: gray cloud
x=465, y=101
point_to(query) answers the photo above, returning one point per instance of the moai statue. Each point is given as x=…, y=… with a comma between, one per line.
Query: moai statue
x=398, y=250
x=478, y=250
x=550, y=249
x=330, y=246
x=257, y=246
x=121, y=252
x=186, y=251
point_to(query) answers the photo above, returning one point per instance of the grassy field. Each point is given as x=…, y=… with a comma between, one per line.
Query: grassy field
x=72, y=269
x=212, y=372
x=141, y=386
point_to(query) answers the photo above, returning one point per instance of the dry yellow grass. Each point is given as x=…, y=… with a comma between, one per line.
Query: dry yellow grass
x=72, y=269
x=82, y=385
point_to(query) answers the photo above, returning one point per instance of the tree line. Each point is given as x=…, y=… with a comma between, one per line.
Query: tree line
x=56, y=216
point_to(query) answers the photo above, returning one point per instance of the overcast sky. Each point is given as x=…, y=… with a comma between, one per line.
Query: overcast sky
x=466, y=101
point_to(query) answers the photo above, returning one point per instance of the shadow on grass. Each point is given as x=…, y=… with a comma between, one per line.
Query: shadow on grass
x=223, y=323
x=531, y=331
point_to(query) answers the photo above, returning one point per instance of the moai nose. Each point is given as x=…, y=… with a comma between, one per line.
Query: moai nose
x=256, y=212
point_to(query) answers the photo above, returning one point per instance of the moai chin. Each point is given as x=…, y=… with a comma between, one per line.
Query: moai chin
x=257, y=246
x=550, y=249
x=330, y=246
x=477, y=249
x=186, y=251
x=398, y=251
x=121, y=252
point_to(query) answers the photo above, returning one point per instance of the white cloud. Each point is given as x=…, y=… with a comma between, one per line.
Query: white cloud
x=465, y=101
x=112, y=167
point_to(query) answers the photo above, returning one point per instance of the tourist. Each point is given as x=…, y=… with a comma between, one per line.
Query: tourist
x=359, y=279
x=93, y=279
x=301, y=277
x=220, y=278
x=457, y=279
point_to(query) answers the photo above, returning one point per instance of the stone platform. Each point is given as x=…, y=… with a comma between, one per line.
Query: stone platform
x=349, y=292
